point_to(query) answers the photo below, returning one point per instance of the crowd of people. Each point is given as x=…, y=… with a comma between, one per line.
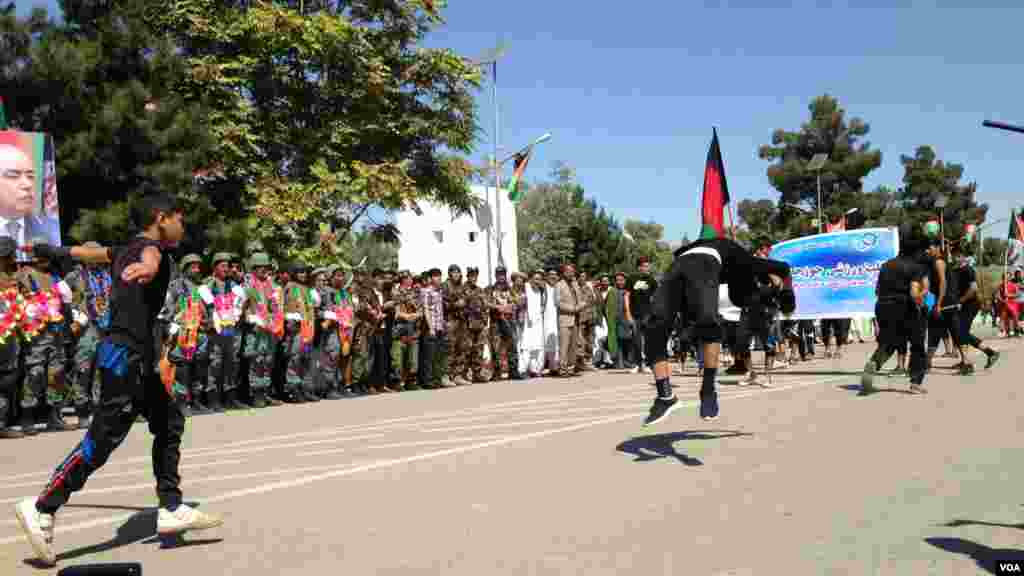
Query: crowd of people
x=241, y=333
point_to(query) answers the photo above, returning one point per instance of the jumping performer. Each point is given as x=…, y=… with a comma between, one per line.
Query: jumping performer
x=901, y=289
x=130, y=386
x=691, y=288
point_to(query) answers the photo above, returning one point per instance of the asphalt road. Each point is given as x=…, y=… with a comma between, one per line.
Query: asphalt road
x=558, y=477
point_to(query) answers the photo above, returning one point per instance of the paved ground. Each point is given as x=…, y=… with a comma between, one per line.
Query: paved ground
x=558, y=477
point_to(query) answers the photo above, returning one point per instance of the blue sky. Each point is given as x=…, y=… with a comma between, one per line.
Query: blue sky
x=631, y=92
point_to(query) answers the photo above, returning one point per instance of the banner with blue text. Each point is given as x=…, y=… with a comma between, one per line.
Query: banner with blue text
x=834, y=274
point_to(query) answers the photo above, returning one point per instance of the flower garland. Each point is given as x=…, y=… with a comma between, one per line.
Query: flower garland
x=269, y=308
x=225, y=311
x=191, y=311
x=308, y=325
x=41, y=309
x=99, y=284
x=13, y=313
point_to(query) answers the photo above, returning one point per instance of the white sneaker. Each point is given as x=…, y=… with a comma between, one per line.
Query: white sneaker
x=635, y=370
x=183, y=519
x=38, y=528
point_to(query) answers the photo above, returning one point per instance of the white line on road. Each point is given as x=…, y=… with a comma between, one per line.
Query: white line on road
x=399, y=445
x=348, y=471
x=102, y=476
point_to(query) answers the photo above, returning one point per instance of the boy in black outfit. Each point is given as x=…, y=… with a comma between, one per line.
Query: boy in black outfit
x=130, y=386
x=690, y=288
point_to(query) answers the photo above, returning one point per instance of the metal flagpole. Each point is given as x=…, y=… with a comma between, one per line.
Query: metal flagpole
x=497, y=166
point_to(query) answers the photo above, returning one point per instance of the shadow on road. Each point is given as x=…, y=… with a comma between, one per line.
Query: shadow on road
x=856, y=388
x=985, y=557
x=959, y=523
x=141, y=527
x=658, y=446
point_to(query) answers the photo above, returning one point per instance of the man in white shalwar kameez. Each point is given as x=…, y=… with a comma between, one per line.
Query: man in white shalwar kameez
x=532, y=349
x=551, y=359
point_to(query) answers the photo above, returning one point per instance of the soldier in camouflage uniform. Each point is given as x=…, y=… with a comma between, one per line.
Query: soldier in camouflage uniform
x=262, y=330
x=225, y=338
x=588, y=299
x=452, y=349
x=90, y=284
x=405, y=337
x=10, y=348
x=476, y=314
x=301, y=303
x=362, y=333
x=344, y=330
x=45, y=353
x=186, y=328
x=332, y=299
x=501, y=302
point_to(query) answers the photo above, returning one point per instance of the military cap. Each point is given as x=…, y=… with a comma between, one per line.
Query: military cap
x=7, y=247
x=221, y=257
x=234, y=257
x=259, y=260
x=454, y=268
x=472, y=270
x=318, y=271
x=190, y=259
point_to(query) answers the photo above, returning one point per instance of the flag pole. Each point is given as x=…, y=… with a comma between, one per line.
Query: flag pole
x=732, y=225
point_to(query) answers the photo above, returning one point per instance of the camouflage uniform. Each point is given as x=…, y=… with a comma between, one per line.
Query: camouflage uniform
x=454, y=353
x=588, y=299
x=224, y=348
x=502, y=335
x=300, y=308
x=476, y=314
x=44, y=353
x=405, y=340
x=181, y=293
x=10, y=350
x=368, y=329
x=91, y=313
x=331, y=300
x=260, y=342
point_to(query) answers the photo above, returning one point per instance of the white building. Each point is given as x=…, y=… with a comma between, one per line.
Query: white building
x=435, y=239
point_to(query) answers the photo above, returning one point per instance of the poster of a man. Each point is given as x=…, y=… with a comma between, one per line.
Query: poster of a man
x=29, y=206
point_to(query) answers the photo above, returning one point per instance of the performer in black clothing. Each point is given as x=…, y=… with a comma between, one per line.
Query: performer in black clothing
x=945, y=316
x=902, y=285
x=691, y=288
x=130, y=385
x=970, y=305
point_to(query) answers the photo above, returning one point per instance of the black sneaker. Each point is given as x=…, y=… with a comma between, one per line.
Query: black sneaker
x=709, y=406
x=867, y=379
x=991, y=360
x=660, y=410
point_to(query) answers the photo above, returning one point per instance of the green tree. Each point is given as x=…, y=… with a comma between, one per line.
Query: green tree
x=325, y=110
x=850, y=160
x=760, y=216
x=647, y=242
x=926, y=179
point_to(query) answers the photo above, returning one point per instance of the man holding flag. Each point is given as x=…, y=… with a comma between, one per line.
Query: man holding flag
x=691, y=288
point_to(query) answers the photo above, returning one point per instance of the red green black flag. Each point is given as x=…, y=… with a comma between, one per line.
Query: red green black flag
x=716, y=193
x=521, y=160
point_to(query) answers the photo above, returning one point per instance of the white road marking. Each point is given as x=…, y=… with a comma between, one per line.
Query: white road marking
x=348, y=471
x=399, y=445
x=101, y=476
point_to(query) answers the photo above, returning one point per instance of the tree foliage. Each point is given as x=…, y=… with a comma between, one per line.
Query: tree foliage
x=926, y=179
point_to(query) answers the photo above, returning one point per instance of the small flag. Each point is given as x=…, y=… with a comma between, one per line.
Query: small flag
x=837, y=226
x=716, y=193
x=522, y=159
x=428, y=5
x=1015, y=241
x=3, y=116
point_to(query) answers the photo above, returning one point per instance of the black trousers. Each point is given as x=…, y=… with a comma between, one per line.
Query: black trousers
x=429, y=345
x=689, y=288
x=899, y=323
x=838, y=327
x=640, y=340
x=967, y=315
x=129, y=388
x=947, y=322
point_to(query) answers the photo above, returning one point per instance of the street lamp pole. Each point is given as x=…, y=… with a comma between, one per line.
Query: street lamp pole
x=497, y=167
x=817, y=163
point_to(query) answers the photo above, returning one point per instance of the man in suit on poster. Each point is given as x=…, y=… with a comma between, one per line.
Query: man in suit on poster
x=17, y=199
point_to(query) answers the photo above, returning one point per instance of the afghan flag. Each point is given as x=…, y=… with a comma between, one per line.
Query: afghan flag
x=3, y=116
x=716, y=193
x=522, y=159
x=1015, y=241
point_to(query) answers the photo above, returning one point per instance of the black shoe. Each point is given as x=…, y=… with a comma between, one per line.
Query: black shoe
x=272, y=401
x=28, y=425
x=660, y=410
x=214, y=405
x=991, y=360
x=233, y=403
x=10, y=433
x=198, y=409
x=333, y=395
x=259, y=400
x=84, y=414
x=55, y=422
x=709, y=405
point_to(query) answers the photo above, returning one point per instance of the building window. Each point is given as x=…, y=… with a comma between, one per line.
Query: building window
x=439, y=236
x=472, y=237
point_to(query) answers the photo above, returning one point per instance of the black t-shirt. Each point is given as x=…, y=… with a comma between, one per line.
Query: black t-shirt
x=641, y=287
x=952, y=285
x=965, y=278
x=134, y=306
x=895, y=276
x=740, y=270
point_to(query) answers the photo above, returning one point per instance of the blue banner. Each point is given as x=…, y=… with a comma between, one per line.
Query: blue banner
x=834, y=274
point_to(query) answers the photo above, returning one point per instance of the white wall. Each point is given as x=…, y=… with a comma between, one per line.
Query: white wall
x=421, y=249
